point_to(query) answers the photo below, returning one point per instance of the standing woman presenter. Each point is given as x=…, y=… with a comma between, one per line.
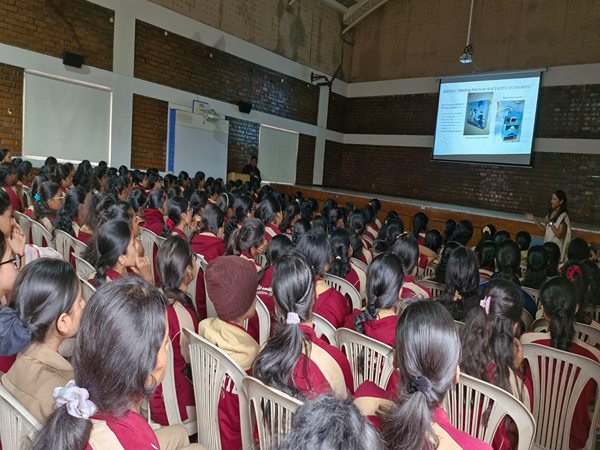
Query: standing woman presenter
x=557, y=225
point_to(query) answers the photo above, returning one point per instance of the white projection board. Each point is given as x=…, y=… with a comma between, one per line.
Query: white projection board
x=66, y=119
x=196, y=143
x=277, y=154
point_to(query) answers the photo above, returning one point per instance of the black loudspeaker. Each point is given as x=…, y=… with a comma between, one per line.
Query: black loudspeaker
x=245, y=107
x=73, y=59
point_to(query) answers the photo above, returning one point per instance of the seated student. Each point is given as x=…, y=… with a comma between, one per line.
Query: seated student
x=330, y=304
x=341, y=254
x=356, y=226
x=270, y=213
x=558, y=297
x=300, y=228
x=225, y=204
x=243, y=208
x=95, y=208
x=491, y=350
x=427, y=356
x=553, y=253
x=449, y=227
x=486, y=255
x=326, y=422
x=440, y=271
x=35, y=186
x=48, y=202
x=574, y=272
x=9, y=178
x=462, y=284
x=124, y=211
x=523, y=240
x=537, y=268
x=277, y=247
x=71, y=214
x=419, y=226
x=116, y=253
x=198, y=202
x=406, y=249
x=248, y=242
x=462, y=232
x=99, y=409
x=384, y=282
x=231, y=285
x=154, y=211
x=46, y=310
x=578, y=250
x=63, y=176
x=335, y=219
x=433, y=242
x=117, y=187
x=294, y=360
x=175, y=265
x=179, y=217
x=392, y=229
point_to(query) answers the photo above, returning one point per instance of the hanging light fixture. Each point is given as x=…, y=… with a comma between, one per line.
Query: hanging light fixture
x=467, y=56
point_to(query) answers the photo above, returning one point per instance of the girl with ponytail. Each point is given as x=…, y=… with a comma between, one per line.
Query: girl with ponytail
x=427, y=356
x=154, y=211
x=294, y=359
x=48, y=202
x=378, y=319
x=391, y=230
x=269, y=211
x=46, y=310
x=176, y=270
x=462, y=283
x=95, y=207
x=559, y=299
x=243, y=208
x=341, y=254
x=248, y=241
x=357, y=225
x=406, y=248
x=179, y=217
x=71, y=214
x=119, y=359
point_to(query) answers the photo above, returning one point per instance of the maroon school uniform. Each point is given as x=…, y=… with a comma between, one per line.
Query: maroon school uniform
x=179, y=316
x=15, y=201
x=410, y=289
x=421, y=239
x=153, y=221
x=210, y=247
x=130, y=432
x=29, y=212
x=271, y=230
x=331, y=305
x=84, y=234
x=580, y=426
x=6, y=362
x=325, y=370
x=382, y=330
x=353, y=278
x=111, y=275
x=177, y=232
x=265, y=291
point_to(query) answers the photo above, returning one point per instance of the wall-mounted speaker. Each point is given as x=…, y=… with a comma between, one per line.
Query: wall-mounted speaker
x=245, y=107
x=73, y=59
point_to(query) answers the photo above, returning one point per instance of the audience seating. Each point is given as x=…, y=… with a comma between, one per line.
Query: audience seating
x=17, y=425
x=588, y=334
x=540, y=325
x=271, y=410
x=555, y=395
x=200, y=263
x=345, y=288
x=324, y=328
x=27, y=192
x=67, y=244
x=526, y=319
x=25, y=224
x=213, y=370
x=358, y=263
x=83, y=268
x=40, y=236
x=368, y=240
x=435, y=287
x=370, y=360
x=478, y=408
x=595, y=312
x=264, y=321
x=149, y=240
x=87, y=290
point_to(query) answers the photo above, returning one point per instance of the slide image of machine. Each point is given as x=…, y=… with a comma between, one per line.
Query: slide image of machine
x=509, y=118
x=477, y=114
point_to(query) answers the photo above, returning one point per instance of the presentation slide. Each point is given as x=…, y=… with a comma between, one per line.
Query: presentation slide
x=488, y=119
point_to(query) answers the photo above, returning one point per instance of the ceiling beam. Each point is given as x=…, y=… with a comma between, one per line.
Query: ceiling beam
x=336, y=5
x=359, y=12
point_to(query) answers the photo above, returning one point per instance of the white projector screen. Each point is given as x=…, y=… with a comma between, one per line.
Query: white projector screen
x=277, y=153
x=65, y=119
x=487, y=118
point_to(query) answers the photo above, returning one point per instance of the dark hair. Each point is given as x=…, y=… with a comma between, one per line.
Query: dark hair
x=319, y=223
x=488, y=232
x=537, y=267
x=462, y=278
x=440, y=270
x=563, y=206
x=449, y=228
x=47, y=191
x=212, y=220
x=333, y=216
x=578, y=250
x=25, y=168
x=118, y=211
x=153, y=178
x=294, y=292
x=574, y=272
x=198, y=200
x=225, y=202
x=49, y=165
x=340, y=258
x=326, y=422
x=433, y=240
x=251, y=234
x=553, y=253
x=487, y=338
x=523, y=239
x=463, y=232
x=301, y=227
x=69, y=210
x=115, y=186
x=98, y=173
x=290, y=212
x=122, y=329
x=267, y=210
x=4, y=152
x=136, y=198
x=508, y=261
x=486, y=254
x=174, y=256
x=242, y=205
x=277, y=247
x=592, y=272
x=406, y=248
x=176, y=207
x=427, y=355
x=95, y=209
x=61, y=173
x=558, y=296
x=112, y=240
x=156, y=199
x=357, y=222
x=501, y=237
x=384, y=280
x=314, y=245
x=419, y=223
x=390, y=232
x=43, y=291
x=4, y=201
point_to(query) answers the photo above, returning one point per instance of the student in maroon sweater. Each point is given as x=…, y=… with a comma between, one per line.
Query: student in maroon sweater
x=154, y=212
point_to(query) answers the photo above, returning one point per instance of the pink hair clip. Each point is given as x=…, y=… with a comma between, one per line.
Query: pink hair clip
x=485, y=304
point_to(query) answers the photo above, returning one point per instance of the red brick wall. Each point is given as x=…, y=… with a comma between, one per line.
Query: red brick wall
x=149, y=133
x=51, y=26
x=409, y=172
x=243, y=143
x=306, y=159
x=185, y=64
x=336, y=112
x=11, y=108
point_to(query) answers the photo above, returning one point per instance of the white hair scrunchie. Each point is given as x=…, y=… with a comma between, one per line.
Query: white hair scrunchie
x=292, y=318
x=76, y=399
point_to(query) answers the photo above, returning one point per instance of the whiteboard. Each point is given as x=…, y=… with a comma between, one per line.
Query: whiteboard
x=197, y=144
x=277, y=154
x=66, y=119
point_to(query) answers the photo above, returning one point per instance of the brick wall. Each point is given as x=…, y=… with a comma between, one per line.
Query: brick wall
x=409, y=172
x=149, y=133
x=306, y=159
x=11, y=108
x=51, y=26
x=243, y=143
x=336, y=113
x=185, y=64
